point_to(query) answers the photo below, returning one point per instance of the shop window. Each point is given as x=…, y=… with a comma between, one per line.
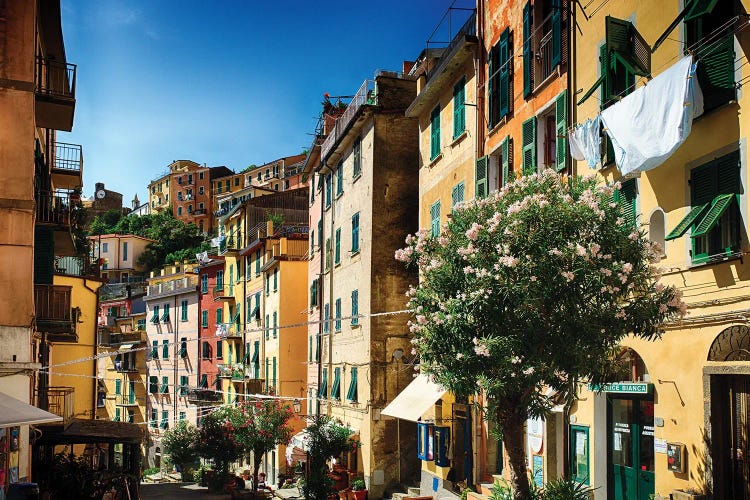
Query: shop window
x=579, y=454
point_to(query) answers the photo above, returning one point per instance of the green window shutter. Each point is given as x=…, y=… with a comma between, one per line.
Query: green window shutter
x=326, y=316
x=355, y=307
x=184, y=311
x=153, y=385
x=117, y=414
x=309, y=349
x=505, y=149
x=155, y=349
x=219, y=349
x=435, y=133
x=164, y=419
x=351, y=394
x=340, y=179
x=480, y=178
x=275, y=323
x=528, y=142
x=628, y=46
x=328, y=190
x=337, y=250
x=274, y=374
x=336, y=385
x=183, y=347
x=118, y=387
x=493, y=109
x=323, y=389
x=556, y=32
x=164, y=385
x=337, y=323
x=435, y=219
x=155, y=317
x=183, y=385
x=561, y=121
x=328, y=253
x=355, y=232
x=700, y=8
x=457, y=194
x=604, y=94
x=687, y=221
x=503, y=90
x=459, y=110
x=593, y=88
x=165, y=349
x=628, y=195
x=719, y=205
x=219, y=316
x=357, y=150
x=527, y=56
x=716, y=71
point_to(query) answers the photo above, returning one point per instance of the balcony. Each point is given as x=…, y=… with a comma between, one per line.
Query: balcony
x=223, y=292
x=57, y=400
x=543, y=66
x=55, y=90
x=126, y=400
x=234, y=372
x=203, y=396
x=174, y=287
x=200, y=211
x=53, y=313
x=67, y=166
x=366, y=95
x=255, y=386
x=53, y=208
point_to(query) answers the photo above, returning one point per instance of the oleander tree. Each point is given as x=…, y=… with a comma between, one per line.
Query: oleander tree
x=259, y=426
x=180, y=444
x=325, y=439
x=532, y=288
x=217, y=442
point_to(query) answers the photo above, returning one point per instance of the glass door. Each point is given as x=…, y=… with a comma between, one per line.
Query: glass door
x=631, y=448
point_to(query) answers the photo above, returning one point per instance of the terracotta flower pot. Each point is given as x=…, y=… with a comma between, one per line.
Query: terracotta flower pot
x=344, y=494
x=358, y=495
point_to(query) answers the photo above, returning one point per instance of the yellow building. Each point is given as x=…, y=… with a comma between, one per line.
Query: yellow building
x=678, y=419
x=158, y=192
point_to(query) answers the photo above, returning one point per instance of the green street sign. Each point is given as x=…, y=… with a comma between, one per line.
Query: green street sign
x=624, y=388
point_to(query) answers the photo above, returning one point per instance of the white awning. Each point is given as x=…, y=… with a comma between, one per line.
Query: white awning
x=14, y=412
x=126, y=347
x=415, y=400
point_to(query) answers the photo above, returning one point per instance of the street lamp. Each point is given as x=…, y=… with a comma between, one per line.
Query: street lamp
x=297, y=405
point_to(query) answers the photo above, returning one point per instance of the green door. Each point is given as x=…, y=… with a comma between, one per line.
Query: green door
x=631, y=448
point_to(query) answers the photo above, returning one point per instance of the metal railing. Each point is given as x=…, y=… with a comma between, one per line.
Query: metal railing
x=68, y=156
x=53, y=208
x=203, y=395
x=77, y=266
x=544, y=57
x=57, y=400
x=172, y=286
x=52, y=303
x=126, y=400
x=469, y=28
x=55, y=78
x=367, y=94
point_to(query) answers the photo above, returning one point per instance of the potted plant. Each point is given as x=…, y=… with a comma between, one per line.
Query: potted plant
x=359, y=490
x=688, y=494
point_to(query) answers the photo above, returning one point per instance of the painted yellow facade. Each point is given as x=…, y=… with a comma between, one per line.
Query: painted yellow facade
x=699, y=365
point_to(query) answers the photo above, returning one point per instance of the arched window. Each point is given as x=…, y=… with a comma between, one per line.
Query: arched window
x=656, y=229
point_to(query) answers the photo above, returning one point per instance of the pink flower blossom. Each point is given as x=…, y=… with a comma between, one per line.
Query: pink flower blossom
x=533, y=278
x=473, y=232
x=627, y=268
x=568, y=275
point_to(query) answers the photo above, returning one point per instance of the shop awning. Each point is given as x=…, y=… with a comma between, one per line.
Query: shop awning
x=126, y=347
x=415, y=400
x=15, y=412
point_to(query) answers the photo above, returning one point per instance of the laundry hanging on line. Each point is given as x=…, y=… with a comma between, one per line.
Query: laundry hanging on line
x=585, y=140
x=649, y=125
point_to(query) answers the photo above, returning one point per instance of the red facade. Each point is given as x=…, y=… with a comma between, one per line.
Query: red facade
x=208, y=353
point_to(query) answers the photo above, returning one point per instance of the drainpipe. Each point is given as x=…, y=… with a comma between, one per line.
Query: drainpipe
x=319, y=343
x=176, y=353
x=330, y=283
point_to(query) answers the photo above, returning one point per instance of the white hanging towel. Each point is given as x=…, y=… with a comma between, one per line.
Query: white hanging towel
x=584, y=142
x=647, y=126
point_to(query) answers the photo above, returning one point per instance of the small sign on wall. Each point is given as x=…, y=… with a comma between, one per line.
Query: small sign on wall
x=660, y=445
x=676, y=457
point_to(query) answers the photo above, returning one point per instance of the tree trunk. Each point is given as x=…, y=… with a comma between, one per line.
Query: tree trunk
x=513, y=439
x=256, y=467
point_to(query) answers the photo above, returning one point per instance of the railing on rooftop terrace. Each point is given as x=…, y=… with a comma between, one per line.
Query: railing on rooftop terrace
x=367, y=94
x=172, y=286
x=469, y=28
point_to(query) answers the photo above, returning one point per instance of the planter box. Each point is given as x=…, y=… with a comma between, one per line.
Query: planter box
x=682, y=495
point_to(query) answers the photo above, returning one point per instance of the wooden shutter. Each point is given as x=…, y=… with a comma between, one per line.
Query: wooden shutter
x=435, y=218
x=506, y=162
x=561, y=120
x=716, y=71
x=44, y=255
x=480, y=178
x=504, y=84
x=700, y=8
x=527, y=55
x=355, y=307
x=459, y=110
x=628, y=46
x=528, y=146
x=556, y=32
x=492, y=86
x=720, y=204
x=435, y=133
x=337, y=251
x=628, y=197
x=687, y=221
x=457, y=194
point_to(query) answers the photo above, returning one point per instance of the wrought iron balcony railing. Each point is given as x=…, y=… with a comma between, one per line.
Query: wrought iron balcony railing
x=56, y=79
x=53, y=208
x=52, y=309
x=366, y=95
x=68, y=157
x=57, y=400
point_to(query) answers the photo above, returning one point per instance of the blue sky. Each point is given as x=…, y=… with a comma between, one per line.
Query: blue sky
x=221, y=82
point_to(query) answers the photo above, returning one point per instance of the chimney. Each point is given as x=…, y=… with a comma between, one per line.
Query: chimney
x=406, y=66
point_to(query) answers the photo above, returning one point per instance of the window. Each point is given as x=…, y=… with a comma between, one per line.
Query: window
x=219, y=350
x=542, y=26
x=498, y=89
x=105, y=247
x=357, y=154
x=183, y=348
x=312, y=243
x=153, y=385
x=323, y=390
x=320, y=234
x=184, y=310
x=328, y=191
x=165, y=349
x=200, y=176
x=274, y=375
x=154, y=417
x=164, y=419
x=125, y=251
x=716, y=71
x=579, y=454
x=204, y=283
x=312, y=189
x=355, y=233
x=165, y=315
x=328, y=253
x=340, y=179
x=118, y=387
x=117, y=414
x=457, y=195
x=231, y=279
x=200, y=191
x=179, y=210
x=182, y=413
x=337, y=247
x=528, y=144
x=155, y=349
x=267, y=327
x=257, y=262
x=314, y=293
x=219, y=316
x=155, y=317
x=204, y=319
x=336, y=385
x=435, y=219
x=337, y=323
x=205, y=350
x=275, y=279
x=714, y=218
x=275, y=331
x=351, y=394
x=226, y=185
x=355, y=307
x=164, y=385
x=183, y=385
x=326, y=316
x=627, y=196
x=459, y=110
x=657, y=228
x=435, y=133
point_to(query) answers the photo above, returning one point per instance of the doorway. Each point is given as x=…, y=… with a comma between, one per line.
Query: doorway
x=729, y=407
x=630, y=447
